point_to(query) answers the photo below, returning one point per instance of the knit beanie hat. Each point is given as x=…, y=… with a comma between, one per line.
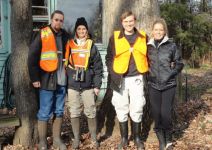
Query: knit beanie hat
x=81, y=21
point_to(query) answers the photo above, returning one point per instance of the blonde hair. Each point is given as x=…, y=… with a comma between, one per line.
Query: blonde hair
x=127, y=14
x=160, y=21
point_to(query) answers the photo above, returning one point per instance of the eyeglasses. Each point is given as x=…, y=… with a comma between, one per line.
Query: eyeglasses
x=58, y=20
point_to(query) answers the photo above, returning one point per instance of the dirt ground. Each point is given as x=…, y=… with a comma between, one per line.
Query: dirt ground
x=192, y=125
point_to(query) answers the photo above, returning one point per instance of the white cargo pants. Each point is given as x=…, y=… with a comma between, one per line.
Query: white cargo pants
x=130, y=100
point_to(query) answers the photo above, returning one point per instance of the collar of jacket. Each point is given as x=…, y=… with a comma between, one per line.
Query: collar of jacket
x=55, y=33
x=121, y=35
x=151, y=41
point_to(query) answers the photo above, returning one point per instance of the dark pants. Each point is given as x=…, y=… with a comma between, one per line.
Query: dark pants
x=162, y=105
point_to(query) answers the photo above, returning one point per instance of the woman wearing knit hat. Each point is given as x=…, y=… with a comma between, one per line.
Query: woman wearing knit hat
x=85, y=71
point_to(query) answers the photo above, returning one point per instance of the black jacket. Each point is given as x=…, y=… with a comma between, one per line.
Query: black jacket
x=92, y=76
x=161, y=74
x=115, y=79
x=48, y=79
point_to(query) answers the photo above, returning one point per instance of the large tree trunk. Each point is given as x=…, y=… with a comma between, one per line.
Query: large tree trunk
x=25, y=99
x=146, y=12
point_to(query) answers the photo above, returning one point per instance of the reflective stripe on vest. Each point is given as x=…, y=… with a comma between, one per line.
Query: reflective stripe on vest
x=48, y=58
x=123, y=53
x=51, y=55
x=79, y=56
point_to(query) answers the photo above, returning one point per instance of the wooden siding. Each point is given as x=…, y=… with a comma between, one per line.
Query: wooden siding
x=103, y=51
x=3, y=57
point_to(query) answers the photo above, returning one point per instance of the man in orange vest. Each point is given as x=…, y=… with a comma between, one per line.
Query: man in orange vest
x=47, y=73
x=127, y=62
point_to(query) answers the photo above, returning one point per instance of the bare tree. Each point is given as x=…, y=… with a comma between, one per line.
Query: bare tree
x=25, y=99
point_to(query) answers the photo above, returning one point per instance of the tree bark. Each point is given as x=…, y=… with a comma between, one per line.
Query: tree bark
x=25, y=98
x=146, y=12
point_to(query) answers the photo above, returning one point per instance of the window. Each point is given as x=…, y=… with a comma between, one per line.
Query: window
x=90, y=9
x=40, y=14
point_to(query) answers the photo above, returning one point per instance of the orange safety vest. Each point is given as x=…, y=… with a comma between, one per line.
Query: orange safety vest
x=48, y=58
x=79, y=55
x=123, y=52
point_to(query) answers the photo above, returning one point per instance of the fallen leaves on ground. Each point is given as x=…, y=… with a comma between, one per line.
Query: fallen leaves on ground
x=192, y=125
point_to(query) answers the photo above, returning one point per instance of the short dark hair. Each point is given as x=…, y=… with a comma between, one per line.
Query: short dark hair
x=57, y=12
x=127, y=14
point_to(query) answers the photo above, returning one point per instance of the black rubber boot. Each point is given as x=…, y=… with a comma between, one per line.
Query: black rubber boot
x=93, y=129
x=161, y=138
x=137, y=138
x=168, y=139
x=132, y=133
x=75, y=123
x=124, y=135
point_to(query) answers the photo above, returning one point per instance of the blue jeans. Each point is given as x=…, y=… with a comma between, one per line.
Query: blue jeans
x=51, y=102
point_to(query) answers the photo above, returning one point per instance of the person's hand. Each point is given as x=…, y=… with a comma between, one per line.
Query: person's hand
x=36, y=84
x=96, y=91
